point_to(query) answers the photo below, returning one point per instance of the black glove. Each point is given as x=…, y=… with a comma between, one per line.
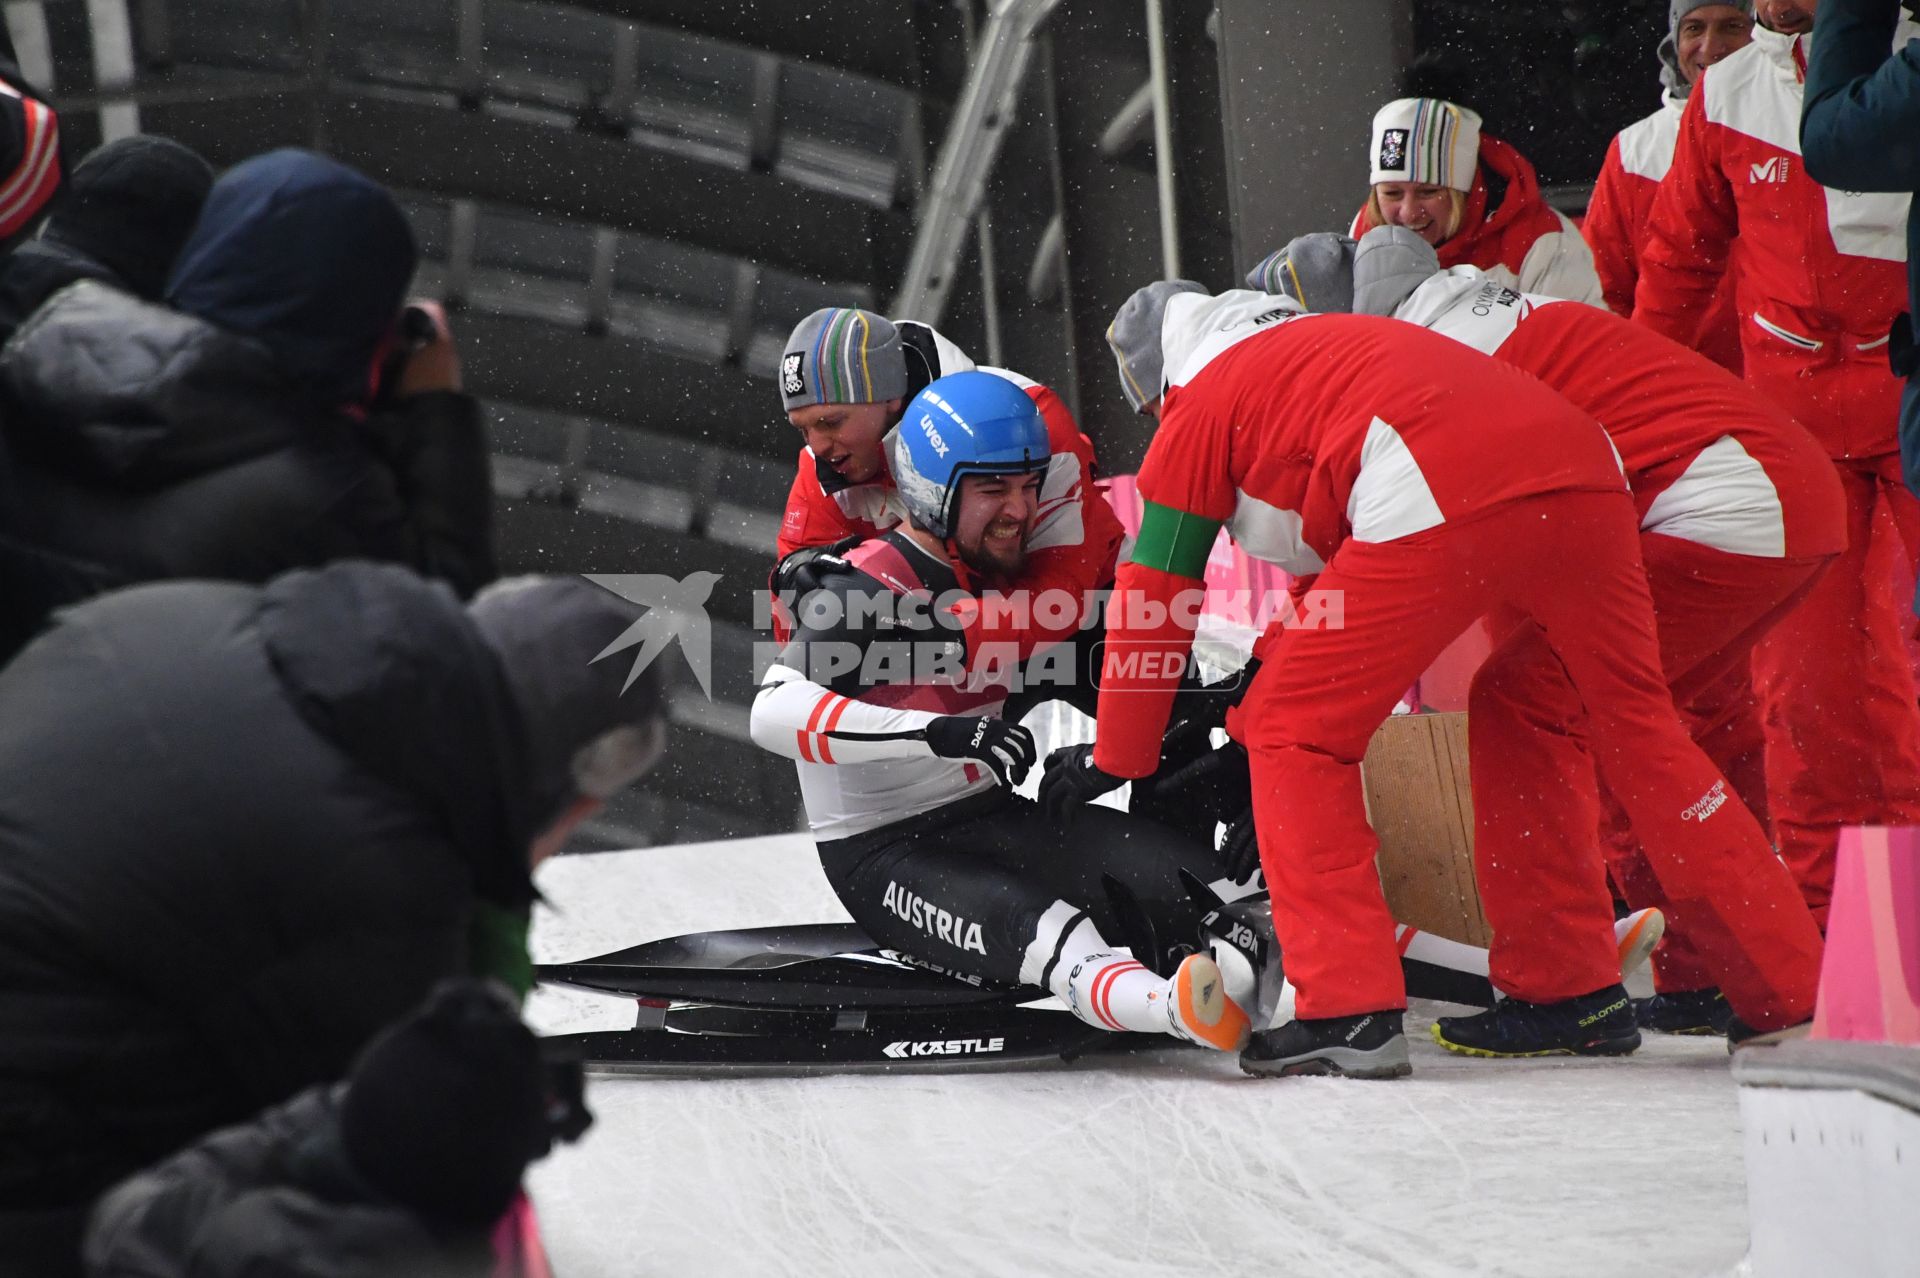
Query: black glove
x=1239, y=848
x=1197, y=711
x=1217, y=785
x=805, y=570
x=1005, y=747
x=1072, y=781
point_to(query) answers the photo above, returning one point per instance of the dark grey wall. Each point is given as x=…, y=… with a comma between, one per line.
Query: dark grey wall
x=1299, y=83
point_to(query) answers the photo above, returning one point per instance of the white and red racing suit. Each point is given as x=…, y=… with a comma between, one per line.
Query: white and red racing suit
x=930, y=856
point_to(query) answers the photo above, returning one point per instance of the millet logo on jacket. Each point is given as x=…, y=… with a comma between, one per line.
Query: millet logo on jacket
x=934, y=921
x=1777, y=169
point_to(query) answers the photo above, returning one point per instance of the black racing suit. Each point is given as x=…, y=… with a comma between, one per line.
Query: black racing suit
x=930, y=855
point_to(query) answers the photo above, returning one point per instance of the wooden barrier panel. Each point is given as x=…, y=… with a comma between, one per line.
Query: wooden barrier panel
x=1421, y=807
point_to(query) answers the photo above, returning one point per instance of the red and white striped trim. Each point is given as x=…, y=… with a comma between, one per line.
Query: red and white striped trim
x=814, y=744
x=1098, y=998
x=36, y=178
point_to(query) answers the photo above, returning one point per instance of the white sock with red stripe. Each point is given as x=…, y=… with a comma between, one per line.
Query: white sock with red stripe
x=1107, y=987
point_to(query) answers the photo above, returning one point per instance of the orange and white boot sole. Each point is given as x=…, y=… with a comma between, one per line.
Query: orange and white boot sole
x=1636, y=935
x=1199, y=1009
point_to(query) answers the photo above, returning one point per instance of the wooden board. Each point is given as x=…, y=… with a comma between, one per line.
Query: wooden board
x=1421, y=807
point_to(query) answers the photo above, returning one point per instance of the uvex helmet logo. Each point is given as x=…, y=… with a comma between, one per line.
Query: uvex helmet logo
x=1777, y=169
x=932, y=433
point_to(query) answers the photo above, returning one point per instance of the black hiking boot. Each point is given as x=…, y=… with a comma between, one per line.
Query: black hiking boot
x=1684, y=1012
x=1596, y=1024
x=1369, y=1045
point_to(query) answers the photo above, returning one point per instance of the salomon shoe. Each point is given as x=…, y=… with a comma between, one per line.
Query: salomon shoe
x=1596, y=1024
x=1684, y=1012
x=1370, y=1045
x=1741, y=1035
x=1199, y=1010
x=1635, y=936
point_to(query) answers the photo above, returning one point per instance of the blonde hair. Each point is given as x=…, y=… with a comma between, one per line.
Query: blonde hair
x=1457, y=202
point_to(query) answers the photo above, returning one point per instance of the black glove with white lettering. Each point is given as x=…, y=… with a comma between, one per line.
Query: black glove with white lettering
x=1005, y=747
x=1072, y=781
x=805, y=570
x=1239, y=848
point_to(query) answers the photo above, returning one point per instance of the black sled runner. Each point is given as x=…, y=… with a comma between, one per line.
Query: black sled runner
x=813, y=997
x=825, y=997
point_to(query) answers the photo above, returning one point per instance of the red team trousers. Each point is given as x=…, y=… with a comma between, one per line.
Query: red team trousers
x=1837, y=684
x=1835, y=677
x=1570, y=564
x=1710, y=608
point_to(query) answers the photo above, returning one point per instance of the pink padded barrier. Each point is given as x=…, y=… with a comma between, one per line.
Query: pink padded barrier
x=1870, y=978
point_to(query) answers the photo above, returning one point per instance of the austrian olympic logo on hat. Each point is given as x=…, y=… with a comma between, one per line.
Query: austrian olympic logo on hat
x=790, y=379
x=1393, y=149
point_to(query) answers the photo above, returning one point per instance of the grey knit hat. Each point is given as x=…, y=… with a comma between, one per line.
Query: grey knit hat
x=842, y=355
x=1314, y=270
x=1134, y=336
x=1388, y=264
x=1676, y=83
x=588, y=732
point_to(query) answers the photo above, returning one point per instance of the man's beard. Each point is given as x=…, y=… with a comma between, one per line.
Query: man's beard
x=986, y=564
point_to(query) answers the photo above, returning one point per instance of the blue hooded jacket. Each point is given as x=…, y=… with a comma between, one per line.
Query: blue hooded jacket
x=306, y=256
x=1860, y=131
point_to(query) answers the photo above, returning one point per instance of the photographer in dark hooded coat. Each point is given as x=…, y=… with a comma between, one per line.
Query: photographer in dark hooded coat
x=245, y=827
x=246, y=431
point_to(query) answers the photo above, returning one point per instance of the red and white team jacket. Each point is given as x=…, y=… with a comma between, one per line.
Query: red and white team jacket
x=854, y=684
x=1820, y=273
x=1073, y=548
x=1708, y=460
x=1524, y=242
x=1299, y=432
x=1637, y=158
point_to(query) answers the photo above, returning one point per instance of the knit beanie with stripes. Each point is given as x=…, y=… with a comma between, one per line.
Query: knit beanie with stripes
x=1427, y=142
x=841, y=355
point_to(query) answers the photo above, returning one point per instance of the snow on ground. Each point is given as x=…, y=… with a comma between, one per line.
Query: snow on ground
x=1167, y=1162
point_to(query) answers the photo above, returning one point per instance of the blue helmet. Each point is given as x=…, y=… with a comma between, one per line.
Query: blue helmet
x=963, y=424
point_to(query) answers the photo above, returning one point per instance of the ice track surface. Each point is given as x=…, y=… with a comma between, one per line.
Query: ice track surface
x=1168, y=1162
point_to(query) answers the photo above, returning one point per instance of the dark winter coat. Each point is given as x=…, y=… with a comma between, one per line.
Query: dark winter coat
x=241, y=828
x=1860, y=131
x=127, y=209
x=272, y=1198
x=146, y=444
x=306, y=256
